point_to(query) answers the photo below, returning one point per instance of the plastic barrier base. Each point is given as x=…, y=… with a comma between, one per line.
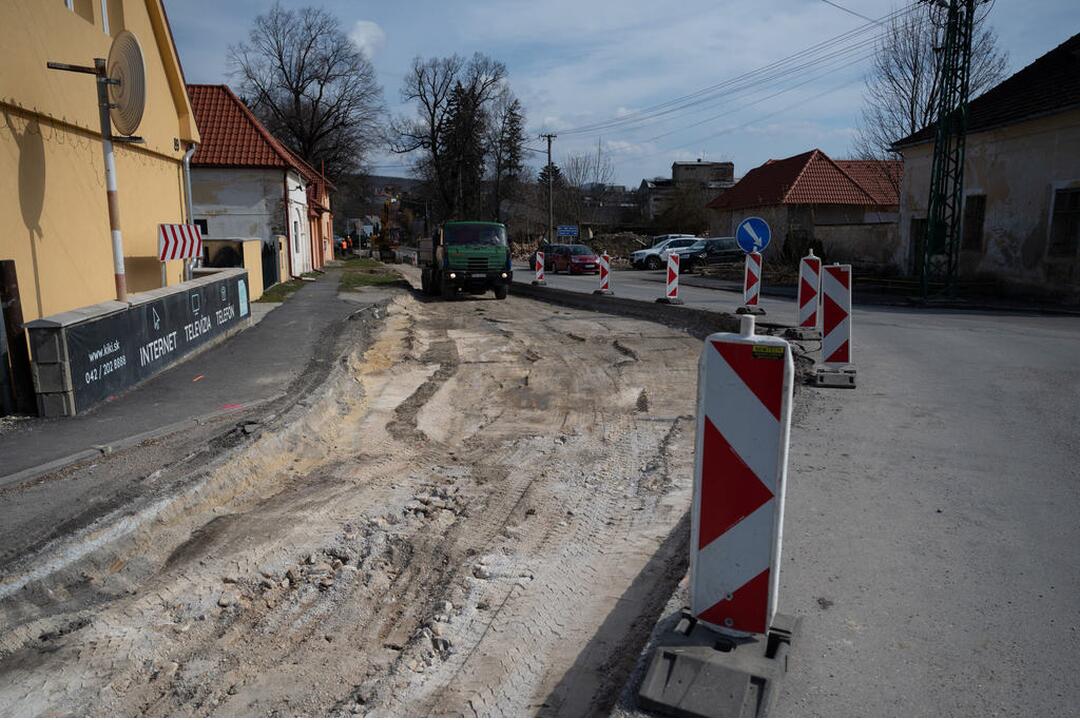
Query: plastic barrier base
x=835, y=377
x=539, y=282
x=602, y=292
x=747, y=310
x=669, y=301
x=700, y=672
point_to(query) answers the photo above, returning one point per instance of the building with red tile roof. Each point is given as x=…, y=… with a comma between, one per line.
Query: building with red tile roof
x=1021, y=214
x=846, y=207
x=247, y=184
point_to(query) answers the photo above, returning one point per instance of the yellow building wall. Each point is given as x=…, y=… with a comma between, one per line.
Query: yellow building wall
x=53, y=217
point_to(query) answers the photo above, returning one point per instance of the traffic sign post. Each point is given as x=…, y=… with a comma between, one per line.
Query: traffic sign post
x=725, y=656
x=753, y=235
x=671, y=294
x=837, y=370
x=605, y=276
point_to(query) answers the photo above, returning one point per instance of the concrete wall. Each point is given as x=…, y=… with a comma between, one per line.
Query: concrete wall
x=239, y=202
x=53, y=215
x=874, y=247
x=1018, y=168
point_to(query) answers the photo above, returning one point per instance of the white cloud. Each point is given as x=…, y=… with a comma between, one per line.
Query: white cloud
x=368, y=36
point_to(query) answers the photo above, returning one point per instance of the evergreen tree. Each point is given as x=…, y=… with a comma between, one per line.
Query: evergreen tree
x=507, y=151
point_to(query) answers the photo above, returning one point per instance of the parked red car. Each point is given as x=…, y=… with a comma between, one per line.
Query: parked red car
x=575, y=259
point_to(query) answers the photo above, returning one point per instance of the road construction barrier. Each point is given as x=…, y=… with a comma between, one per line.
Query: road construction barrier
x=740, y=471
x=809, y=289
x=836, y=328
x=539, y=269
x=751, y=286
x=671, y=294
x=605, y=276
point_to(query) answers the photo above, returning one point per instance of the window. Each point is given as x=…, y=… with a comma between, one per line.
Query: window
x=974, y=217
x=1065, y=224
x=82, y=8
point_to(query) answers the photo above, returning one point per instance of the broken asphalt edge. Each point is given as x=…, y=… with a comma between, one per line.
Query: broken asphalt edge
x=63, y=553
x=698, y=323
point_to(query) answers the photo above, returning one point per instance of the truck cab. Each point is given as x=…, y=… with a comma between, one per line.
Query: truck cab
x=466, y=257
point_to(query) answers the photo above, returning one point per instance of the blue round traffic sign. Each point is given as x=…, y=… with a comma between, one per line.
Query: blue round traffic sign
x=753, y=235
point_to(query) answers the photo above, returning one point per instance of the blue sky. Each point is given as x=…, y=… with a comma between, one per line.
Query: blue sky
x=577, y=63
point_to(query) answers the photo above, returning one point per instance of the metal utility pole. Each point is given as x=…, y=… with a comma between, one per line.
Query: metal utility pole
x=551, y=176
x=941, y=245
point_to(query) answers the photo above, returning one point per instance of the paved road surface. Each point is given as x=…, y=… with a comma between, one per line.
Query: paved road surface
x=933, y=515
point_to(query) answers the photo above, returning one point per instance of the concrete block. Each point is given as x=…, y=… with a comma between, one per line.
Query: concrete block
x=47, y=345
x=51, y=377
x=51, y=405
x=835, y=377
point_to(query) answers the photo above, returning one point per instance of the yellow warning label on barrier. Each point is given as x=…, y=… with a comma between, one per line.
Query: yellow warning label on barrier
x=769, y=352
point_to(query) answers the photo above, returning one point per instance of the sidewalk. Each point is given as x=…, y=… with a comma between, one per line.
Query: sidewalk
x=252, y=367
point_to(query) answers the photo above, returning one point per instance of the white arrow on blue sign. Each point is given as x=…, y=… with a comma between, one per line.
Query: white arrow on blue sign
x=753, y=235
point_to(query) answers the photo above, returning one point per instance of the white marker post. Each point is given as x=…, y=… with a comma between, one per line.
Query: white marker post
x=837, y=370
x=539, y=269
x=605, y=276
x=671, y=294
x=806, y=314
x=740, y=471
x=751, y=286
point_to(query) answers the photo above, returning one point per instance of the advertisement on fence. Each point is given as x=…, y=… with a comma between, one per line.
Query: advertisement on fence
x=113, y=353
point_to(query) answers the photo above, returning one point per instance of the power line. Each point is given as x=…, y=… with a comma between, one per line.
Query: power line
x=805, y=56
x=849, y=12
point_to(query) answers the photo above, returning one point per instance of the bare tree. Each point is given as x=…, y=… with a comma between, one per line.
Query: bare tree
x=587, y=178
x=311, y=86
x=437, y=86
x=902, y=86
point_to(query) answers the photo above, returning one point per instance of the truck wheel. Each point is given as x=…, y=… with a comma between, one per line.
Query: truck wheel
x=501, y=292
x=425, y=282
x=447, y=291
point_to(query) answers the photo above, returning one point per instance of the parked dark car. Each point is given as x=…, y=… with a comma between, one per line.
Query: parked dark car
x=575, y=259
x=711, y=251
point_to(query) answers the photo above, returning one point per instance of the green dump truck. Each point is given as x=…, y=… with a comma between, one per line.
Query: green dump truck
x=466, y=257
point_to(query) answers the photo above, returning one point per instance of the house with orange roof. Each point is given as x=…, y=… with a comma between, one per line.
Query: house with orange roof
x=247, y=185
x=846, y=210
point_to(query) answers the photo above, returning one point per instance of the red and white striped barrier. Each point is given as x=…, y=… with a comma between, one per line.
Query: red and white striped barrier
x=836, y=327
x=671, y=292
x=179, y=242
x=539, y=269
x=809, y=289
x=740, y=472
x=605, y=276
x=751, y=285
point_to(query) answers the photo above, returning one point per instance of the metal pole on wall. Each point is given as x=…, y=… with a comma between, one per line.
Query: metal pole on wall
x=110, y=179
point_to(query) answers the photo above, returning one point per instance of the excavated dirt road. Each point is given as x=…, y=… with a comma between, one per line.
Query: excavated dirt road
x=480, y=513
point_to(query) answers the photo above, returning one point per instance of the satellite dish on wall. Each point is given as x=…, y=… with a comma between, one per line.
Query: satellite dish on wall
x=127, y=93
